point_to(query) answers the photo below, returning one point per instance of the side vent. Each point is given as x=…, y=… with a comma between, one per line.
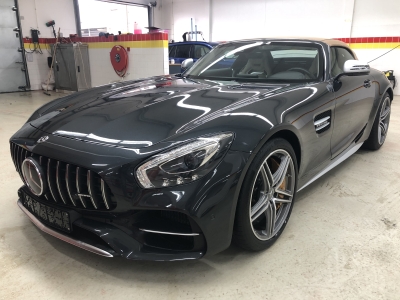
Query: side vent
x=322, y=122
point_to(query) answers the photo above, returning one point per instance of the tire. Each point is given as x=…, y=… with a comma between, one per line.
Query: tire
x=255, y=228
x=380, y=127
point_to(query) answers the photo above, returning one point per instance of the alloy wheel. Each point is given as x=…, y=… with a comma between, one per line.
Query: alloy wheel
x=384, y=118
x=272, y=194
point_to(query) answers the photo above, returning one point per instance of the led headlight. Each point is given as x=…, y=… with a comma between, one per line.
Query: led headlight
x=184, y=164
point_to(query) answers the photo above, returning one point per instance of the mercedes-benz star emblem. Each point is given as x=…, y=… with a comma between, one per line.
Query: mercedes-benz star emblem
x=33, y=176
x=43, y=139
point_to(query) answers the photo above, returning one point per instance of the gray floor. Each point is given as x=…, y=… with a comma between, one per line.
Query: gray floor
x=342, y=241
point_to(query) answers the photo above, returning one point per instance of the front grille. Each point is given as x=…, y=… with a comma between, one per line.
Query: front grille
x=67, y=184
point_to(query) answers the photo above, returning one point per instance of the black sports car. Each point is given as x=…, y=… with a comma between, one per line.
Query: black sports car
x=175, y=167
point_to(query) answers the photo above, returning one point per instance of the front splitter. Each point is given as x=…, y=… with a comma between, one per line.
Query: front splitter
x=61, y=236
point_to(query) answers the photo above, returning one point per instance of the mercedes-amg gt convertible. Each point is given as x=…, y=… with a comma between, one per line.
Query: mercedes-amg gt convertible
x=177, y=167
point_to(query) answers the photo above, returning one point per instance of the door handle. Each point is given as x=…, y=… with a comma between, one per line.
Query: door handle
x=367, y=83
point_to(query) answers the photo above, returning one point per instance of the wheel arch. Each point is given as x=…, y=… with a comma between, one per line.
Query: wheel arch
x=292, y=138
x=286, y=132
x=390, y=92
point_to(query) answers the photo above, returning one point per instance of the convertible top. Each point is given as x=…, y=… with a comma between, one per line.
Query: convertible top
x=329, y=42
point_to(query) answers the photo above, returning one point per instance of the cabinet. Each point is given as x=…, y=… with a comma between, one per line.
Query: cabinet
x=71, y=68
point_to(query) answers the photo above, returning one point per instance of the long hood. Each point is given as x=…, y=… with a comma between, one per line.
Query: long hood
x=143, y=113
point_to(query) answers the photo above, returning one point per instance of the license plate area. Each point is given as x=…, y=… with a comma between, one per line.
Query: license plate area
x=57, y=218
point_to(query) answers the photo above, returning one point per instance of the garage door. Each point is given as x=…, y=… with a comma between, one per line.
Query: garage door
x=11, y=76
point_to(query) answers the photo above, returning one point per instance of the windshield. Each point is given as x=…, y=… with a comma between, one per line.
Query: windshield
x=261, y=61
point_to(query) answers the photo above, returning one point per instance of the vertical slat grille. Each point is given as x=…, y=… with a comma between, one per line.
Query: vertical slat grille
x=51, y=180
x=105, y=194
x=43, y=164
x=79, y=186
x=60, y=179
x=68, y=184
x=18, y=162
x=91, y=189
x=12, y=150
x=17, y=156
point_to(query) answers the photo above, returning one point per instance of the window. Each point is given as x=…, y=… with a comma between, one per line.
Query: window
x=200, y=50
x=338, y=57
x=172, y=50
x=183, y=51
x=98, y=16
x=306, y=53
x=261, y=61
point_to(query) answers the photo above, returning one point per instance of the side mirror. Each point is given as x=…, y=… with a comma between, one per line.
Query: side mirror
x=186, y=64
x=350, y=68
x=355, y=67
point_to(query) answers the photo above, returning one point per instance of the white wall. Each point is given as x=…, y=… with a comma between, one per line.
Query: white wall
x=237, y=19
x=223, y=20
x=34, y=14
x=143, y=62
x=376, y=18
x=175, y=15
x=373, y=18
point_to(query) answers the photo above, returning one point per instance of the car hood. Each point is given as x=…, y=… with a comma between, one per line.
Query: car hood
x=142, y=113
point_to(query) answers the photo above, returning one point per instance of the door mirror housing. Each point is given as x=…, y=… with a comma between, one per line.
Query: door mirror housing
x=186, y=64
x=350, y=68
x=355, y=67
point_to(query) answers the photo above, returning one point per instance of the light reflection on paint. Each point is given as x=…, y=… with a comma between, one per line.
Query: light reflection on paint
x=231, y=53
x=250, y=115
x=178, y=195
x=92, y=136
x=314, y=90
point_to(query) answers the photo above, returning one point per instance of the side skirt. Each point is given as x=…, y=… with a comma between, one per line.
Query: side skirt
x=336, y=161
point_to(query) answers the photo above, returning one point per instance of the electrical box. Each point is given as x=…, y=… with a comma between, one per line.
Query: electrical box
x=35, y=35
x=71, y=67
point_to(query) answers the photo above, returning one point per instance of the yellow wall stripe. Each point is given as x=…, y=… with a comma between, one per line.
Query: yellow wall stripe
x=372, y=45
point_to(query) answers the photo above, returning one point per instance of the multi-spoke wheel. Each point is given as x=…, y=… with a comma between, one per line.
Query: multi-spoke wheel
x=380, y=127
x=267, y=196
x=272, y=194
x=384, y=118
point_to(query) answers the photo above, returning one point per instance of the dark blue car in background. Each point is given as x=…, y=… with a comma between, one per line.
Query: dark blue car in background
x=193, y=49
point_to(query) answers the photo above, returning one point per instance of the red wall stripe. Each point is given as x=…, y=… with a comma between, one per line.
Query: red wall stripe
x=164, y=36
x=111, y=38
x=372, y=40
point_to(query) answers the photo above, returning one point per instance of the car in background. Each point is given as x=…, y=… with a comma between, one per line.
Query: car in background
x=191, y=49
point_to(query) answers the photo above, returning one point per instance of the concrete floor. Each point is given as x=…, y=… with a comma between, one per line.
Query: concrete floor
x=342, y=241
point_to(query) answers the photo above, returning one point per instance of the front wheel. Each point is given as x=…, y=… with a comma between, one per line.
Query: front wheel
x=267, y=196
x=381, y=125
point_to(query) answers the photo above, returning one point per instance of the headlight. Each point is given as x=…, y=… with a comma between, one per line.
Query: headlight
x=184, y=164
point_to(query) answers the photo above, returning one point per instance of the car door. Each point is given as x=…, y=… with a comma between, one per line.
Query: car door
x=182, y=53
x=353, y=102
x=311, y=113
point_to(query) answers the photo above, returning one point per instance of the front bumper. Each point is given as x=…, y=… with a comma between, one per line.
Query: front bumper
x=108, y=240
x=179, y=222
x=176, y=223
